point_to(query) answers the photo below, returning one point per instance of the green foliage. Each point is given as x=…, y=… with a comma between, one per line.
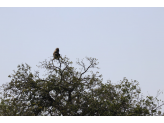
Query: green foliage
x=66, y=91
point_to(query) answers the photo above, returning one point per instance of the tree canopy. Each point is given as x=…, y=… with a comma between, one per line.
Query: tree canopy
x=66, y=91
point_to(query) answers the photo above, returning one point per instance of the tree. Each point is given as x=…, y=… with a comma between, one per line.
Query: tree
x=66, y=91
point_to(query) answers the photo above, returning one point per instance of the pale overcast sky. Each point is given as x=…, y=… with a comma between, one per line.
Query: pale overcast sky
x=128, y=42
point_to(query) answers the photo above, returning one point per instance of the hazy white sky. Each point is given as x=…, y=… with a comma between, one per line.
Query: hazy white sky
x=128, y=42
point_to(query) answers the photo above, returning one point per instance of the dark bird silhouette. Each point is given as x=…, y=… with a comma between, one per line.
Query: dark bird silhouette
x=56, y=54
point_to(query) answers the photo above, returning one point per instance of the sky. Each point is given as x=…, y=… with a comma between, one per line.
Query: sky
x=128, y=42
